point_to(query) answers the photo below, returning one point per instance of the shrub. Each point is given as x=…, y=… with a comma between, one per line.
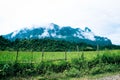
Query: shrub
x=61, y=66
x=73, y=72
x=80, y=63
x=95, y=61
x=111, y=68
x=6, y=70
x=96, y=70
x=23, y=69
x=43, y=67
x=111, y=58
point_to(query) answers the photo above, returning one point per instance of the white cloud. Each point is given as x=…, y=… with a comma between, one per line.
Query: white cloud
x=53, y=34
x=99, y=15
x=89, y=35
x=15, y=33
x=60, y=36
x=45, y=34
x=31, y=36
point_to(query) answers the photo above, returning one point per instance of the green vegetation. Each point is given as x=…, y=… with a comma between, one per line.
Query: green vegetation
x=55, y=59
x=78, y=64
x=50, y=45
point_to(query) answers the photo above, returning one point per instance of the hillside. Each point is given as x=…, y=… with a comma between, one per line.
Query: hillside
x=55, y=32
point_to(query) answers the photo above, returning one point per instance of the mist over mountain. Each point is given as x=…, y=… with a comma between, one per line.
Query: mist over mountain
x=54, y=31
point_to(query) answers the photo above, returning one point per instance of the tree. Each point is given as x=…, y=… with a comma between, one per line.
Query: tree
x=4, y=43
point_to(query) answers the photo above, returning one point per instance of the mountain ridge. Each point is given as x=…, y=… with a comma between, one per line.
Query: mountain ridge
x=54, y=31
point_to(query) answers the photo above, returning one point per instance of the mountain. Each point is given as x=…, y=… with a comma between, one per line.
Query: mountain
x=54, y=31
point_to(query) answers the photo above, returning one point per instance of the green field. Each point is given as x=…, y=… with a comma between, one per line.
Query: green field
x=36, y=57
x=54, y=65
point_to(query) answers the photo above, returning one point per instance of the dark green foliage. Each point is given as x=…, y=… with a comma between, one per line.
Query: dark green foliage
x=110, y=58
x=44, y=67
x=4, y=43
x=80, y=63
x=6, y=69
x=96, y=70
x=61, y=66
x=100, y=64
x=103, y=68
x=72, y=72
x=48, y=45
x=23, y=69
x=16, y=69
x=96, y=60
x=39, y=44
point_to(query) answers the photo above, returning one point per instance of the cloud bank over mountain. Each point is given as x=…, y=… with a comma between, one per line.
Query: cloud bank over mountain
x=53, y=31
x=102, y=16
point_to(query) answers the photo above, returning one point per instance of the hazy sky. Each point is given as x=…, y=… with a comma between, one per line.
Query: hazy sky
x=101, y=16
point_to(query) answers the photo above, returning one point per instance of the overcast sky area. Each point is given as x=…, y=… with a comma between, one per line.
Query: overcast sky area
x=101, y=16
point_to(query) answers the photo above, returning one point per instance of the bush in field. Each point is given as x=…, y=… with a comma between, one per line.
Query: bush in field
x=61, y=66
x=96, y=70
x=23, y=68
x=72, y=72
x=80, y=63
x=111, y=58
x=44, y=67
x=111, y=68
x=6, y=70
x=108, y=62
x=95, y=61
x=16, y=69
x=106, y=58
x=103, y=68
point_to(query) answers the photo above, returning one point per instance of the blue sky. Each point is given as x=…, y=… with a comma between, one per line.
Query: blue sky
x=101, y=16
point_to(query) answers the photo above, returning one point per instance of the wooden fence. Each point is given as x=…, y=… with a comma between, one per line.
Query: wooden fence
x=42, y=56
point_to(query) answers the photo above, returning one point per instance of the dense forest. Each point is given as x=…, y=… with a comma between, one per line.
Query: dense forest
x=47, y=45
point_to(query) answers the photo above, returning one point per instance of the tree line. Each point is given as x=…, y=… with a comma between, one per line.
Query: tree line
x=47, y=45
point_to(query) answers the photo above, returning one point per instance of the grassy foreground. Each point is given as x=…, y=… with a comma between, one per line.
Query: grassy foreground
x=77, y=65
